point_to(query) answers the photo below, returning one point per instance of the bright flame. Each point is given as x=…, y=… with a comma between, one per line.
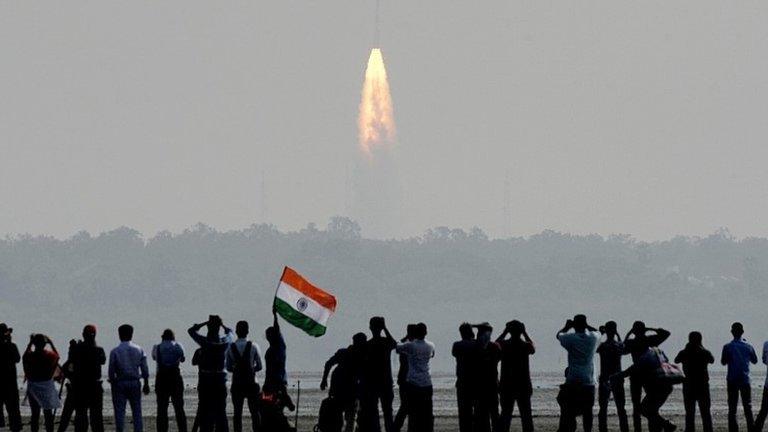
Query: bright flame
x=376, y=123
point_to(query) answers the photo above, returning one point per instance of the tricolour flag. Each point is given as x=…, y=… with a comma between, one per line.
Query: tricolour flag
x=303, y=304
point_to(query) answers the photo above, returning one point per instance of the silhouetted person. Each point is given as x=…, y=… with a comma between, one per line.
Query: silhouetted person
x=466, y=352
x=419, y=352
x=638, y=340
x=40, y=367
x=648, y=372
x=68, y=408
x=85, y=361
x=276, y=377
x=377, y=377
x=127, y=368
x=515, y=384
x=579, y=391
x=346, y=387
x=9, y=386
x=169, y=384
x=696, y=360
x=489, y=356
x=402, y=381
x=243, y=361
x=610, y=351
x=212, y=379
x=737, y=355
x=763, y=413
x=196, y=363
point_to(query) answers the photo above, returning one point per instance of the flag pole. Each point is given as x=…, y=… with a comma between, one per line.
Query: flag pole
x=298, y=404
x=277, y=288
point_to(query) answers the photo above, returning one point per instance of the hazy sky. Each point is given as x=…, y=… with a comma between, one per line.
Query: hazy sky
x=646, y=118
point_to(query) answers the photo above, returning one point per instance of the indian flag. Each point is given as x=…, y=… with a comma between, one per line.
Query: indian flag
x=303, y=304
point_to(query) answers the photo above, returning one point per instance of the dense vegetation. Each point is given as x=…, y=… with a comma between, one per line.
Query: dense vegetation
x=442, y=278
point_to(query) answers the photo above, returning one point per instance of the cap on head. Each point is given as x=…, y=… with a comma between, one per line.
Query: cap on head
x=89, y=331
x=125, y=332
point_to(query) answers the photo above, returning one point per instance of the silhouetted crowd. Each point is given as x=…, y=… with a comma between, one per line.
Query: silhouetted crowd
x=492, y=376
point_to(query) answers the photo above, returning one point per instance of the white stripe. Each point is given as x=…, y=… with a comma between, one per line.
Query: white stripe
x=314, y=310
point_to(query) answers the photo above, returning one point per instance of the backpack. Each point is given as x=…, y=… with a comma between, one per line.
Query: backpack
x=667, y=372
x=331, y=416
x=242, y=370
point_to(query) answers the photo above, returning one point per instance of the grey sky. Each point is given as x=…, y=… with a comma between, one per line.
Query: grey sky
x=606, y=116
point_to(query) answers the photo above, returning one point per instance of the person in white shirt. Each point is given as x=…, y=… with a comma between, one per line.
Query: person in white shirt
x=127, y=368
x=243, y=360
x=760, y=419
x=419, y=352
x=578, y=393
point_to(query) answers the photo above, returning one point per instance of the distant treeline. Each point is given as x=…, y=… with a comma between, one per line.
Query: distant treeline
x=442, y=278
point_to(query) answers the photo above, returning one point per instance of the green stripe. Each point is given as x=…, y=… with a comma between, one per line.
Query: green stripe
x=312, y=327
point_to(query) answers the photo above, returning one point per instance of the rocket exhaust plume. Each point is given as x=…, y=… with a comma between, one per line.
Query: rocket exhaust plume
x=376, y=122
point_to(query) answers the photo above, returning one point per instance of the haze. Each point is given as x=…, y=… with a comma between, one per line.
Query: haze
x=607, y=116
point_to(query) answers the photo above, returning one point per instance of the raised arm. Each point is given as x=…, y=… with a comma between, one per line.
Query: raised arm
x=530, y=342
x=194, y=333
x=334, y=360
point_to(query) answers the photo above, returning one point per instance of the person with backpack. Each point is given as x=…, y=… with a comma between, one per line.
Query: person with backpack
x=243, y=360
x=169, y=384
x=696, y=360
x=657, y=376
x=636, y=343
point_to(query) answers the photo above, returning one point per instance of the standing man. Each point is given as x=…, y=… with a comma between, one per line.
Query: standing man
x=760, y=421
x=85, y=361
x=275, y=375
x=243, y=360
x=212, y=379
x=579, y=396
x=466, y=352
x=127, y=367
x=419, y=352
x=696, y=360
x=737, y=355
x=9, y=386
x=377, y=377
x=402, y=381
x=610, y=351
x=515, y=385
x=636, y=343
x=489, y=356
x=169, y=385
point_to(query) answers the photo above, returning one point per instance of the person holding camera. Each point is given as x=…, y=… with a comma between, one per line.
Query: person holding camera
x=611, y=350
x=212, y=378
x=127, y=368
x=515, y=384
x=41, y=366
x=578, y=394
x=9, y=386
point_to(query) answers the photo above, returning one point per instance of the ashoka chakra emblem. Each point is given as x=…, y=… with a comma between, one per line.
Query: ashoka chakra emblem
x=302, y=304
